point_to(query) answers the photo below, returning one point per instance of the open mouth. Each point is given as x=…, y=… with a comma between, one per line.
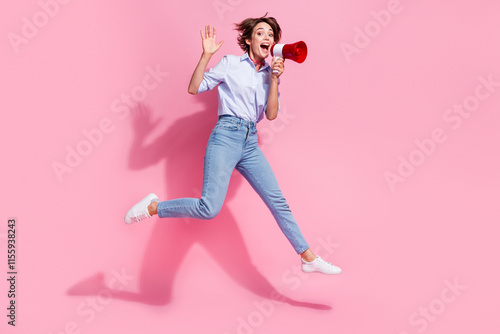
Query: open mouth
x=265, y=46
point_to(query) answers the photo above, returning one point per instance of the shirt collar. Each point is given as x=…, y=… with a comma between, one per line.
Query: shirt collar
x=247, y=57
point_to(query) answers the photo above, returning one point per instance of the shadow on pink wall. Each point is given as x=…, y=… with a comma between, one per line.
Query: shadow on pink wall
x=182, y=147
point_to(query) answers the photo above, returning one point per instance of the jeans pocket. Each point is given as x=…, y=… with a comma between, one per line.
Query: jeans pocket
x=227, y=125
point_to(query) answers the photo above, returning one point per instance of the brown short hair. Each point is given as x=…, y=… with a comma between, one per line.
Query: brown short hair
x=245, y=28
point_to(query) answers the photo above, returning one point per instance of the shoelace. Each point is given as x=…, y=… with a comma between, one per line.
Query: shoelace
x=325, y=263
x=141, y=216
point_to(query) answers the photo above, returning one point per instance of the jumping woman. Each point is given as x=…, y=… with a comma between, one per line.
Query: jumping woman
x=248, y=90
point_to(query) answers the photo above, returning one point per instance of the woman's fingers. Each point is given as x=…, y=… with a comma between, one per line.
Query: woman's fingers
x=208, y=39
x=210, y=32
x=219, y=45
x=278, y=64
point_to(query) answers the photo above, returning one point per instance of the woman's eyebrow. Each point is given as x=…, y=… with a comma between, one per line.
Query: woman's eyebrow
x=263, y=29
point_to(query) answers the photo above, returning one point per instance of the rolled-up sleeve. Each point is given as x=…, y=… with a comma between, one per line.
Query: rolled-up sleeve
x=214, y=76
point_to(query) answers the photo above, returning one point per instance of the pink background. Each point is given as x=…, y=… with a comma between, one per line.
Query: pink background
x=344, y=124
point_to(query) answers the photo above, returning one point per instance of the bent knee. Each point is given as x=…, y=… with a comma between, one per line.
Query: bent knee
x=209, y=209
x=279, y=202
x=210, y=214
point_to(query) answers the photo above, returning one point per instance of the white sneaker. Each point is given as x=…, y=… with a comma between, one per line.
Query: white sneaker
x=140, y=211
x=321, y=266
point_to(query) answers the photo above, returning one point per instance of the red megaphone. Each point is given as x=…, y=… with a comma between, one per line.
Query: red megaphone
x=296, y=52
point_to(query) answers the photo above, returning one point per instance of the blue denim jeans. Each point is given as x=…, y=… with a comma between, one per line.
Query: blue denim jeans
x=233, y=144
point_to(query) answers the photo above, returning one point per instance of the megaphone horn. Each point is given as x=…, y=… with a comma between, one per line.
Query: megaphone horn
x=296, y=51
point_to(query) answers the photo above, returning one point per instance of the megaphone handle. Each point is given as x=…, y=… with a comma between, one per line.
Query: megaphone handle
x=276, y=71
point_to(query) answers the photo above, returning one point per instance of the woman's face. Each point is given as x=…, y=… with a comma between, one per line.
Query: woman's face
x=261, y=42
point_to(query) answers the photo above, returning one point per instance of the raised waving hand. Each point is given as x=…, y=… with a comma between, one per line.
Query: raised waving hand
x=209, y=43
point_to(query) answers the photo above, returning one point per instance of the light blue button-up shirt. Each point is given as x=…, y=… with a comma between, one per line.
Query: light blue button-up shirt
x=242, y=90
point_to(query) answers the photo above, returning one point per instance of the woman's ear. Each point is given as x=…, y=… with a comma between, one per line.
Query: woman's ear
x=248, y=41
